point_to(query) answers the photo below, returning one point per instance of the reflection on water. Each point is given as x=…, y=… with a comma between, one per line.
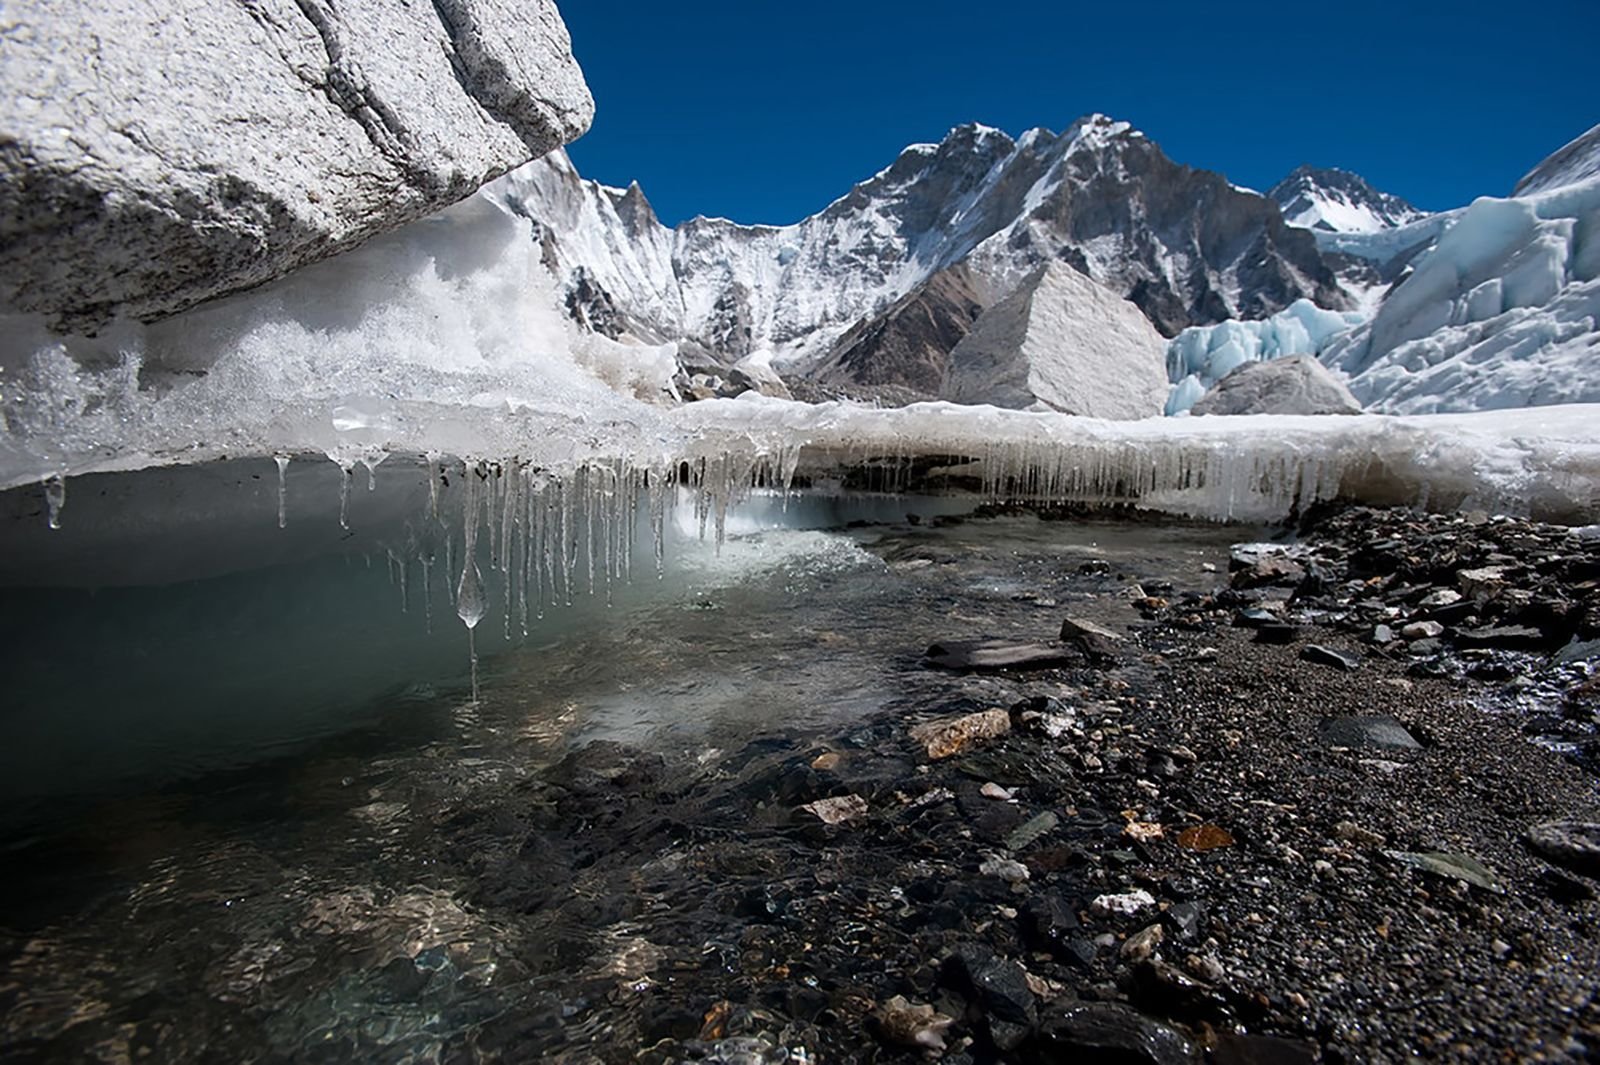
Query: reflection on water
x=312, y=892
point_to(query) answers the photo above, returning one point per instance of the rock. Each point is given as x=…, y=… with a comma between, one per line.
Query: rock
x=1230, y=1048
x=1298, y=384
x=837, y=811
x=991, y=790
x=988, y=656
x=1096, y=641
x=156, y=160
x=951, y=736
x=1108, y=1032
x=1049, y=923
x=1061, y=341
x=912, y=1024
x=1454, y=866
x=1143, y=831
x=1482, y=582
x=1516, y=637
x=1124, y=905
x=1573, y=844
x=1142, y=944
x=1422, y=630
x=1278, y=633
x=1031, y=830
x=754, y=373
x=1011, y=871
x=1205, y=837
x=1441, y=598
x=1001, y=989
x=1377, y=730
x=1381, y=634
x=1254, y=617
x=1184, y=918
x=1351, y=832
x=1328, y=656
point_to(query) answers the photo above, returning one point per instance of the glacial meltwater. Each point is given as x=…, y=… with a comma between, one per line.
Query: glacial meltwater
x=254, y=812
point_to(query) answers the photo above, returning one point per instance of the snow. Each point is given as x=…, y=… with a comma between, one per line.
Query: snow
x=1199, y=357
x=1575, y=162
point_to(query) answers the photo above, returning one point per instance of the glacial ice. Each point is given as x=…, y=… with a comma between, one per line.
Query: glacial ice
x=1199, y=357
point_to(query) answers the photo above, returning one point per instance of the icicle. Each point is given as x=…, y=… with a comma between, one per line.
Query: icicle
x=427, y=593
x=434, y=473
x=283, y=488
x=508, y=517
x=470, y=602
x=345, y=473
x=372, y=458
x=55, y=497
x=568, y=501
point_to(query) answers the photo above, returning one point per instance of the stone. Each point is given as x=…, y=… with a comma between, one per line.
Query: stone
x=1516, y=637
x=1298, y=384
x=1328, y=656
x=1231, y=1048
x=1351, y=832
x=1482, y=582
x=1142, y=943
x=1096, y=641
x=155, y=160
x=1049, y=923
x=1001, y=989
x=1184, y=918
x=1143, y=831
x=1278, y=633
x=991, y=790
x=1422, y=630
x=988, y=656
x=1107, y=1031
x=953, y=735
x=912, y=1024
x=839, y=810
x=1125, y=904
x=1381, y=634
x=1007, y=869
x=1441, y=598
x=1368, y=730
x=1455, y=866
x=1573, y=844
x=1205, y=837
x=1031, y=830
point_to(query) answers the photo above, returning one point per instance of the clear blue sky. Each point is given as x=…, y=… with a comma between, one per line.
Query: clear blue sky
x=765, y=111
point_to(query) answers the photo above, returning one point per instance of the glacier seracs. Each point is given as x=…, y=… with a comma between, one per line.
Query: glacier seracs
x=1200, y=356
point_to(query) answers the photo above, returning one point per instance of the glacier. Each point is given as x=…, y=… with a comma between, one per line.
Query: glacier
x=1200, y=356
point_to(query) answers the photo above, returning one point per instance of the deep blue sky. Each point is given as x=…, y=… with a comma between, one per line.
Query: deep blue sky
x=765, y=111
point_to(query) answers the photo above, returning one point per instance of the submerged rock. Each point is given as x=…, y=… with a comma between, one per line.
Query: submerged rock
x=156, y=158
x=981, y=656
x=945, y=738
x=1574, y=844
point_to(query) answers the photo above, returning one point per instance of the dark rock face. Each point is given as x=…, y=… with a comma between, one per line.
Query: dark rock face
x=222, y=148
x=909, y=343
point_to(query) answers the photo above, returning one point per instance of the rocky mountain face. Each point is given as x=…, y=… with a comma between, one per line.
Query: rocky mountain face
x=1338, y=201
x=877, y=289
x=152, y=156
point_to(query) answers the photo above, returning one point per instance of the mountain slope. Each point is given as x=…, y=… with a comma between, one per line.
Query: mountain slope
x=845, y=293
x=1338, y=201
x=1577, y=161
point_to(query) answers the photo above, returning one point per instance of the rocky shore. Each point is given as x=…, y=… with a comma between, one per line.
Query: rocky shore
x=1292, y=813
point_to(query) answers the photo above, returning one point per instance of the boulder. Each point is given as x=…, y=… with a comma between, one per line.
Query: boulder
x=1298, y=384
x=1061, y=342
x=153, y=156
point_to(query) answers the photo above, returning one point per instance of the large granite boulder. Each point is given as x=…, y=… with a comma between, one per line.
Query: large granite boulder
x=154, y=155
x=1061, y=342
x=1298, y=384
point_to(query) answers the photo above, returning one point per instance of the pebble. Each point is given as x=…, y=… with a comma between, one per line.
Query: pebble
x=1125, y=904
x=1008, y=869
x=991, y=790
x=1143, y=943
x=839, y=810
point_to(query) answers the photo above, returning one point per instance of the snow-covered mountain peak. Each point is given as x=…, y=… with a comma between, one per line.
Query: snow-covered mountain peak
x=1337, y=201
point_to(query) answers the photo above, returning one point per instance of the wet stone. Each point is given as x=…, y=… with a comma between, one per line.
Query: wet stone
x=1278, y=633
x=1104, y=1031
x=1368, y=730
x=1233, y=1049
x=1000, y=988
x=990, y=656
x=1328, y=656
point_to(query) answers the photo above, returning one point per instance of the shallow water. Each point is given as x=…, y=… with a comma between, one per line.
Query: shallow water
x=211, y=881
